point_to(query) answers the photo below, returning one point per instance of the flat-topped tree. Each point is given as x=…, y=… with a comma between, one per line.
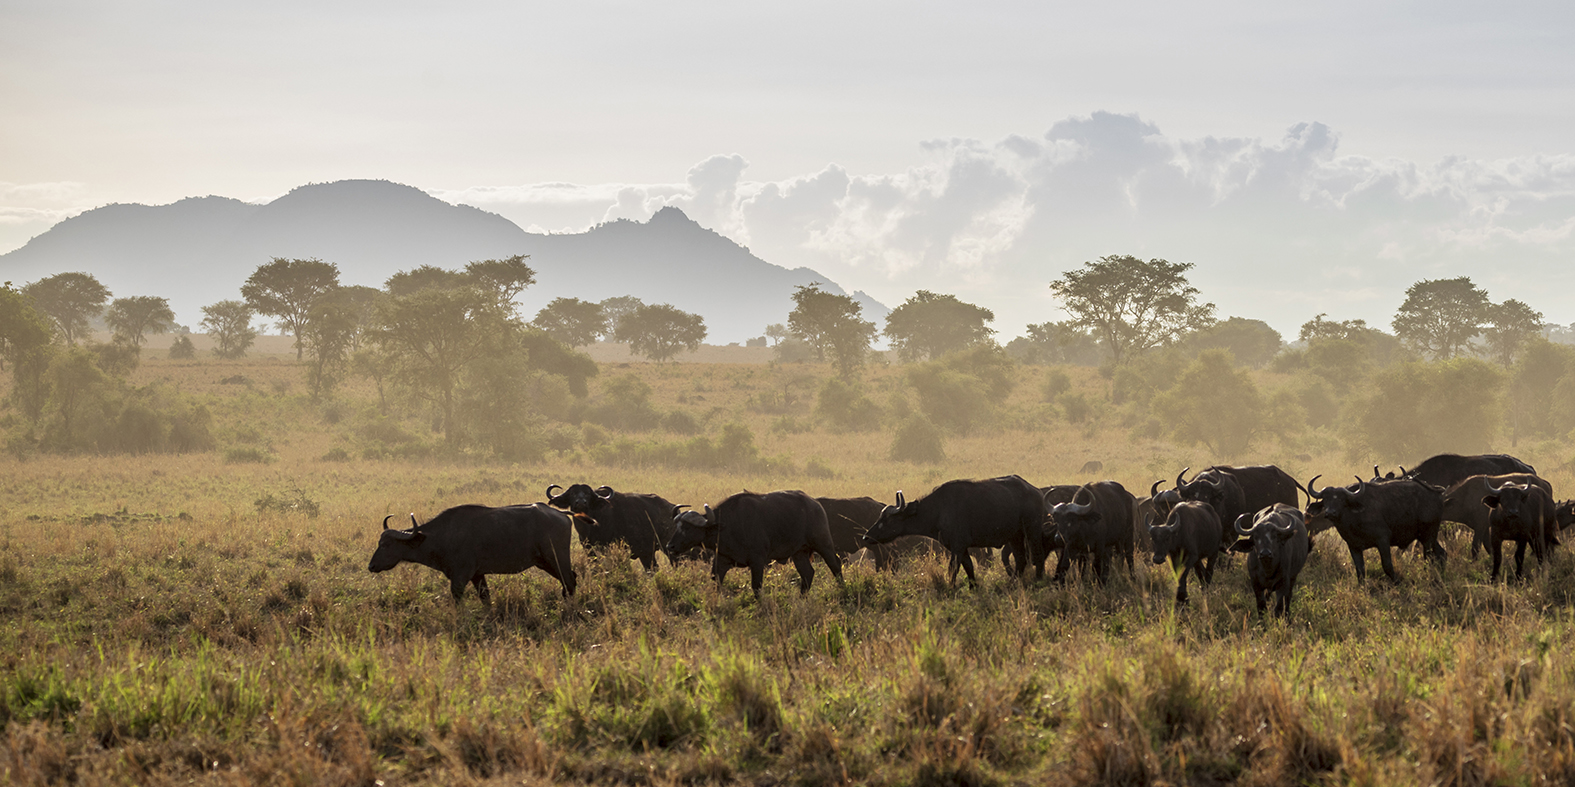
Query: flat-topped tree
x=660, y=331
x=286, y=289
x=71, y=300
x=1132, y=305
x=930, y=325
x=132, y=318
x=573, y=322
x=833, y=325
x=1440, y=317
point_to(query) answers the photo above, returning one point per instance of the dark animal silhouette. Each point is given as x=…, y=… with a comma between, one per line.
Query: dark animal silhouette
x=605, y=517
x=851, y=517
x=752, y=530
x=469, y=542
x=998, y=512
x=1190, y=538
x=1098, y=524
x=1522, y=513
x=1276, y=543
x=1092, y=466
x=1446, y=470
x=1463, y=502
x=1379, y=516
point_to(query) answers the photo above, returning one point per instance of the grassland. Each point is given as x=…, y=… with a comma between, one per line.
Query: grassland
x=159, y=626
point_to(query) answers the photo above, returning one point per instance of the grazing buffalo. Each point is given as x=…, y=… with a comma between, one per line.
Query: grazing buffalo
x=469, y=542
x=605, y=517
x=1219, y=490
x=1191, y=538
x=1564, y=513
x=1446, y=470
x=1463, y=502
x=998, y=512
x=1522, y=513
x=1097, y=522
x=1379, y=516
x=1276, y=544
x=751, y=530
x=850, y=517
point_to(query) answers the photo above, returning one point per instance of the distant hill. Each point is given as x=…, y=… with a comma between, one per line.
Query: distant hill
x=200, y=250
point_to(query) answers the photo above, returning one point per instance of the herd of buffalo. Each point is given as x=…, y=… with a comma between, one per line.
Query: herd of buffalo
x=1254, y=510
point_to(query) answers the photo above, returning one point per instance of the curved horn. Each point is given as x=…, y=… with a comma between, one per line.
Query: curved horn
x=1310, y=492
x=1497, y=489
x=1238, y=527
x=1154, y=490
x=385, y=521
x=1376, y=475
x=1179, y=476
x=550, y=494
x=1360, y=485
x=901, y=503
x=1211, y=481
x=708, y=513
x=607, y=489
x=676, y=509
x=413, y=524
x=1275, y=523
x=1402, y=470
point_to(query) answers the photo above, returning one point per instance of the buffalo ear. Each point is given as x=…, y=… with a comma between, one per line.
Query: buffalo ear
x=1242, y=545
x=1491, y=501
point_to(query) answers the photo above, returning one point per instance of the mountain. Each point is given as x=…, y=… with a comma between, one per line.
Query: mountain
x=200, y=250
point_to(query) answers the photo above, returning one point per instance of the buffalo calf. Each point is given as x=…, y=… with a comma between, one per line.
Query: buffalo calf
x=1522, y=513
x=1190, y=537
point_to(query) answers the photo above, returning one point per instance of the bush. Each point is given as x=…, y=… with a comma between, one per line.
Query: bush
x=846, y=407
x=680, y=422
x=918, y=440
x=247, y=454
x=1056, y=383
x=1213, y=404
x=182, y=349
x=293, y=501
x=1076, y=407
x=1418, y=409
x=961, y=391
x=734, y=450
x=627, y=406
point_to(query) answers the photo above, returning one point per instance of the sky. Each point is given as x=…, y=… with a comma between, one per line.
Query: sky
x=1315, y=158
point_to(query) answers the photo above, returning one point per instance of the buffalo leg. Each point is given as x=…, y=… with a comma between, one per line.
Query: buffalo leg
x=1497, y=545
x=1263, y=603
x=833, y=562
x=1206, y=572
x=456, y=584
x=1282, y=602
x=1520, y=560
x=966, y=562
x=480, y=581
x=648, y=560
x=805, y=564
x=1388, y=562
x=1181, y=586
x=1358, y=562
x=757, y=576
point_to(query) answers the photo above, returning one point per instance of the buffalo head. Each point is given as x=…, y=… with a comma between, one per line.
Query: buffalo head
x=1077, y=524
x=694, y=529
x=579, y=498
x=891, y=523
x=395, y=546
x=1166, y=537
x=1264, y=536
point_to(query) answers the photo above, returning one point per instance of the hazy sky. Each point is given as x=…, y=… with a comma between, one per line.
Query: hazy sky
x=1310, y=159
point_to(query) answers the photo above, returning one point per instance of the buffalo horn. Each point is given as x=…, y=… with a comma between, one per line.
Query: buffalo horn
x=1402, y=471
x=1376, y=475
x=1288, y=527
x=550, y=494
x=604, y=492
x=1214, y=482
x=413, y=524
x=676, y=509
x=1239, y=530
x=1360, y=485
x=901, y=503
x=1154, y=490
x=1179, y=476
x=385, y=521
x=1310, y=492
x=1496, y=489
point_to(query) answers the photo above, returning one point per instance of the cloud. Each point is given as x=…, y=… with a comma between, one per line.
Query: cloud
x=1275, y=228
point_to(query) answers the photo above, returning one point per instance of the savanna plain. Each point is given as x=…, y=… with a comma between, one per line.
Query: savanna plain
x=209, y=617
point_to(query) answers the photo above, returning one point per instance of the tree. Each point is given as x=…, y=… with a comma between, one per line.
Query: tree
x=1509, y=326
x=776, y=332
x=930, y=326
x=1252, y=342
x=659, y=331
x=229, y=325
x=615, y=309
x=505, y=278
x=433, y=334
x=831, y=324
x=182, y=349
x=286, y=289
x=573, y=322
x=330, y=330
x=1440, y=317
x=1213, y=404
x=132, y=317
x=1132, y=305
x=1420, y=409
x=25, y=337
x=71, y=300
x=425, y=277
x=1056, y=342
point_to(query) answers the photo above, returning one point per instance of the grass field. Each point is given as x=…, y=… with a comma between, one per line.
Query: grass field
x=169, y=619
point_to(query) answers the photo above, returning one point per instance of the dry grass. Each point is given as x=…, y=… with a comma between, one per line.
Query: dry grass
x=157, y=627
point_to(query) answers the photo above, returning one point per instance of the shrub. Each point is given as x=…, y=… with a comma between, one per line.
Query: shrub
x=627, y=406
x=293, y=501
x=846, y=407
x=1419, y=409
x=1076, y=407
x=247, y=454
x=1213, y=404
x=1056, y=383
x=182, y=349
x=918, y=440
x=680, y=422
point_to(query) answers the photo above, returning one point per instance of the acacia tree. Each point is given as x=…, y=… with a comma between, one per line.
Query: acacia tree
x=1509, y=326
x=929, y=325
x=1132, y=305
x=25, y=337
x=286, y=289
x=832, y=325
x=133, y=317
x=615, y=309
x=659, y=331
x=229, y=325
x=505, y=278
x=1440, y=317
x=71, y=300
x=573, y=322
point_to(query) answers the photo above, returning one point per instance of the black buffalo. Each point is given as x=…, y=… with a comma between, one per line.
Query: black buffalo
x=1522, y=513
x=1097, y=523
x=1463, y=502
x=1379, y=516
x=851, y=517
x=469, y=542
x=1446, y=470
x=751, y=530
x=1191, y=538
x=605, y=517
x=1219, y=490
x=1276, y=543
x=1564, y=513
x=999, y=512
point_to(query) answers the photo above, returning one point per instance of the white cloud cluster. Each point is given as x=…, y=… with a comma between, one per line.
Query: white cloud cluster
x=1278, y=230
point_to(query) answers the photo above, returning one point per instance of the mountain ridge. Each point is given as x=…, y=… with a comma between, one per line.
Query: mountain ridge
x=199, y=250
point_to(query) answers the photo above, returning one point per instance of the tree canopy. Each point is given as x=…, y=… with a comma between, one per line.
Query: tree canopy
x=1440, y=317
x=660, y=331
x=930, y=325
x=71, y=300
x=286, y=288
x=229, y=325
x=571, y=321
x=1509, y=326
x=1132, y=305
x=132, y=317
x=1251, y=342
x=832, y=325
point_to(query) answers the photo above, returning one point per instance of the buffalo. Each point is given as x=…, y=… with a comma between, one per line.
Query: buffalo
x=1446, y=470
x=1233, y=491
x=1463, y=502
x=998, y=512
x=850, y=517
x=1564, y=513
x=1522, y=513
x=606, y=517
x=1379, y=516
x=1097, y=522
x=751, y=530
x=1191, y=538
x=1276, y=543
x=469, y=542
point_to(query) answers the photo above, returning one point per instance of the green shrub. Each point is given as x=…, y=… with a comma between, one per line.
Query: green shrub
x=846, y=407
x=1076, y=407
x=680, y=422
x=182, y=349
x=1057, y=382
x=918, y=440
x=247, y=454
